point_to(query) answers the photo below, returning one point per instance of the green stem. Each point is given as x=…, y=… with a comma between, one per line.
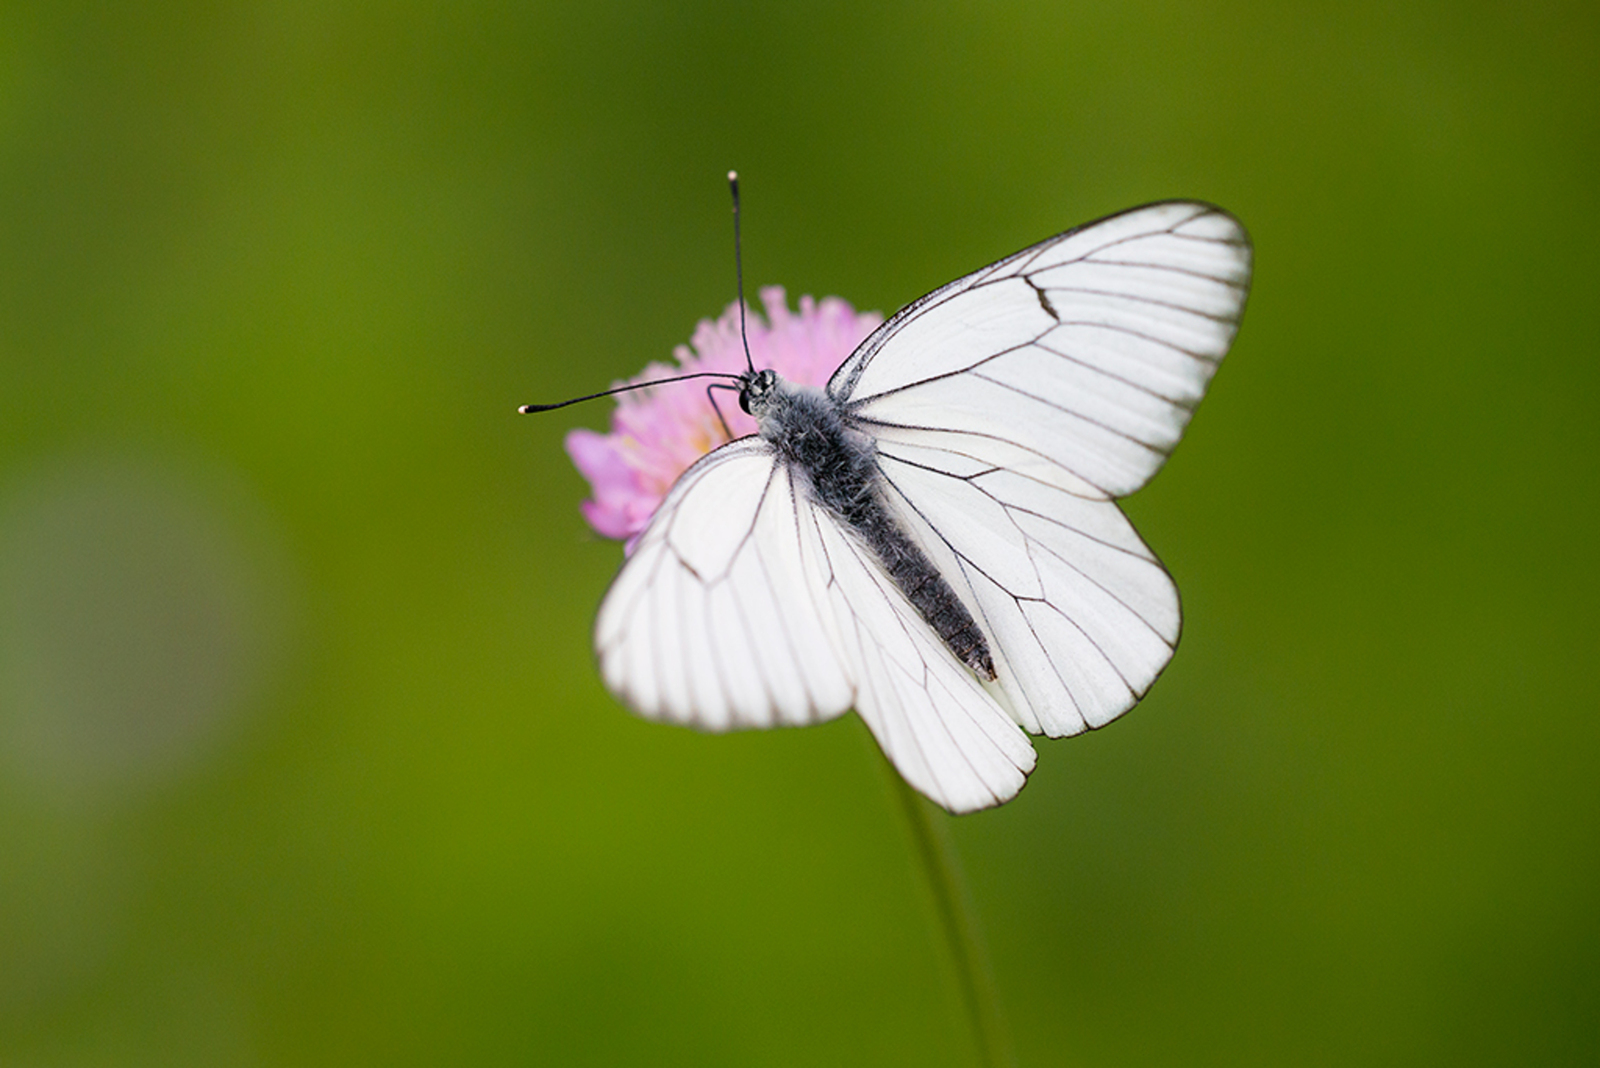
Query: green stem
x=930, y=833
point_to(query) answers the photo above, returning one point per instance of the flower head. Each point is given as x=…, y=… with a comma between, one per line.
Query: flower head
x=656, y=434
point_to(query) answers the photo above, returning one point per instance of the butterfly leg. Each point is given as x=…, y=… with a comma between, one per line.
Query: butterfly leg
x=710, y=397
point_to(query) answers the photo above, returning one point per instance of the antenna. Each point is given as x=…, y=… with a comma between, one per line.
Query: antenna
x=530, y=409
x=738, y=268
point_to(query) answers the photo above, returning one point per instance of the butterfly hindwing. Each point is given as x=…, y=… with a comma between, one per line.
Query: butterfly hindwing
x=942, y=730
x=747, y=604
x=1080, y=614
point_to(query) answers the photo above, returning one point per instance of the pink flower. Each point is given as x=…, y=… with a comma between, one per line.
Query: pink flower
x=656, y=434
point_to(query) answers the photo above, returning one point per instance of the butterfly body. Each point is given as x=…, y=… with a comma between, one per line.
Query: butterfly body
x=838, y=468
x=933, y=539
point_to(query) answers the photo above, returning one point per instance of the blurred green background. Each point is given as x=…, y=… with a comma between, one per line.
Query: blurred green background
x=303, y=757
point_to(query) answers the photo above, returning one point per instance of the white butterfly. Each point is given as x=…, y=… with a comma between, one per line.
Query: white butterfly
x=933, y=540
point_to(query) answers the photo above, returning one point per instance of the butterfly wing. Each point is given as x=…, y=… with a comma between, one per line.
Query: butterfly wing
x=1083, y=356
x=1081, y=616
x=717, y=620
x=1010, y=408
x=746, y=604
x=944, y=731
x=1013, y=405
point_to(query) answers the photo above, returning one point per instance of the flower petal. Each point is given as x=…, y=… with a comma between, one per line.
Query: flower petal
x=656, y=434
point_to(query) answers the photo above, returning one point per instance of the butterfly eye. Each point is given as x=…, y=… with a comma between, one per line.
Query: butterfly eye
x=757, y=388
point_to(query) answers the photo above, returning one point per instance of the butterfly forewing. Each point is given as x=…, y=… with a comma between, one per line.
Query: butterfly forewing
x=1091, y=348
x=717, y=620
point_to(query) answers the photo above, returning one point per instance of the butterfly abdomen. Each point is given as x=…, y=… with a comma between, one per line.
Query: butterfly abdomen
x=841, y=468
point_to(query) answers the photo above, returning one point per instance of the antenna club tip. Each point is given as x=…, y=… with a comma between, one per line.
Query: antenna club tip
x=524, y=409
x=733, y=176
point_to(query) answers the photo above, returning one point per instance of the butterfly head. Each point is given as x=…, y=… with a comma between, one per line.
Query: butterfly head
x=755, y=392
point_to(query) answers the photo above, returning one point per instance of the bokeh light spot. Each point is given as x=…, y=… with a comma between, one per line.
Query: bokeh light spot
x=140, y=613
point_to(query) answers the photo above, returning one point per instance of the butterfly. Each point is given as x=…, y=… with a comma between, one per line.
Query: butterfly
x=933, y=538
